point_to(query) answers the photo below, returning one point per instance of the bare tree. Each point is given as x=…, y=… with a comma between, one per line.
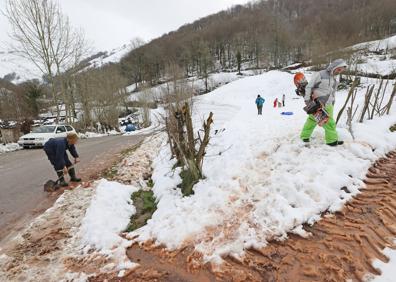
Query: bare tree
x=43, y=35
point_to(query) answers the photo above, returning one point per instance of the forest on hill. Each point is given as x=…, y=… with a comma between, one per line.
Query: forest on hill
x=262, y=34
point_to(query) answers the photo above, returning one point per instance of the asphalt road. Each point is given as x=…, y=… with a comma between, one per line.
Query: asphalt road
x=23, y=173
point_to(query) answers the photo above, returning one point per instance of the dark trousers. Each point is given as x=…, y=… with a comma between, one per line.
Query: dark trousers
x=52, y=160
x=260, y=110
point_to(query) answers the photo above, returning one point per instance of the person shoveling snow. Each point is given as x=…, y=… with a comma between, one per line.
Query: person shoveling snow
x=55, y=149
x=319, y=97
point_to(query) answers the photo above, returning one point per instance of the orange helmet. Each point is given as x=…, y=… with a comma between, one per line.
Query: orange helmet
x=299, y=78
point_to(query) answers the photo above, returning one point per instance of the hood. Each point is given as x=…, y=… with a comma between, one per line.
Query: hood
x=37, y=135
x=336, y=64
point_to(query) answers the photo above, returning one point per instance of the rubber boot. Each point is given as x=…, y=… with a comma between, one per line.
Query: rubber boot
x=336, y=143
x=72, y=173
x=62, y=181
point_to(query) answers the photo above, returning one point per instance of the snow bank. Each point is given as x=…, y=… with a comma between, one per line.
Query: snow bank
x=89, y=134
x=9, y=147
x=383, y=44
x=107, y=216
x=376, y=66
x=261, y=180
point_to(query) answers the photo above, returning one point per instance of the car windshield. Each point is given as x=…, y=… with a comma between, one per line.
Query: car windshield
x=44, y=129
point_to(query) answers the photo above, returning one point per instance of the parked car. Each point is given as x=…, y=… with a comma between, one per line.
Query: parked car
x=39, y=135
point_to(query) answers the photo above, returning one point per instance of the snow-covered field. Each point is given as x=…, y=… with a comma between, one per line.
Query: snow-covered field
x=266, y=182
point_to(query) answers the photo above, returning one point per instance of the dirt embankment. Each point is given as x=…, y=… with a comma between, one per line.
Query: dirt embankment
x=342, y=246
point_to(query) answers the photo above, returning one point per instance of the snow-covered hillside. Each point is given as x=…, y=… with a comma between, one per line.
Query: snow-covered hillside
x=215, y=80
x=15, y=68
x=261, y=180
x=10, y=63
x=377, y=45
x=375, y=57
x=113, y=56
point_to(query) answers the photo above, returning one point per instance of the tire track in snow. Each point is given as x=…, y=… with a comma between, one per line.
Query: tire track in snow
x=342, y=246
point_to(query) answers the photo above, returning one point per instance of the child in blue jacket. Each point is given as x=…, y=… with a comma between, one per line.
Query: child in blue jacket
x=259, y=103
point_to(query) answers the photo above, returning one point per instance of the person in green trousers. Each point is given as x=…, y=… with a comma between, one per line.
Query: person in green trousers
x=323, y=86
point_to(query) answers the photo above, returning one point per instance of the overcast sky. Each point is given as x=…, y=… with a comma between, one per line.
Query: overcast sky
x=112, y=23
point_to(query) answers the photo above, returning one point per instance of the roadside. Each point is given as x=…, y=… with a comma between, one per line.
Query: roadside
x=54, y=240
x=24, y=172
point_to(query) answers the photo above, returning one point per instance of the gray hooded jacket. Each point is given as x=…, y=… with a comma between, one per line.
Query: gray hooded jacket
x=323, y=84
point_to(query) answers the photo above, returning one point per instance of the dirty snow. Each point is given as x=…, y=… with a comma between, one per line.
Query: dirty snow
x=10, y=147
x=90, y=134
x=261, y=180
x=79, y=237
x=50, y=240
x=107, y=216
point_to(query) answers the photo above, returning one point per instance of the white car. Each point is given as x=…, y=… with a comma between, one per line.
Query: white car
x=42, y=134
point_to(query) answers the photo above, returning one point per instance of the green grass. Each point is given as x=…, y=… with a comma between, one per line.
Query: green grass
x=188, y=183
x=145, y=204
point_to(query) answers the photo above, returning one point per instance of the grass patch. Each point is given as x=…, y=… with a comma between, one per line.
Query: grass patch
x=393, y=128
x=145, y=204
x=188, y=183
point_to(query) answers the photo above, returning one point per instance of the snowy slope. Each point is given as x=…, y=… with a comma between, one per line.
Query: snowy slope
x=11, y=63
x=377, y=45
x=197, y=84
x=375, y=57
x=113, y=56
x=265, y=182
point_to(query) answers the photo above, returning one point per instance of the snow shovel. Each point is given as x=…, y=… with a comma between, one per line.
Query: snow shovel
x=52, y=186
